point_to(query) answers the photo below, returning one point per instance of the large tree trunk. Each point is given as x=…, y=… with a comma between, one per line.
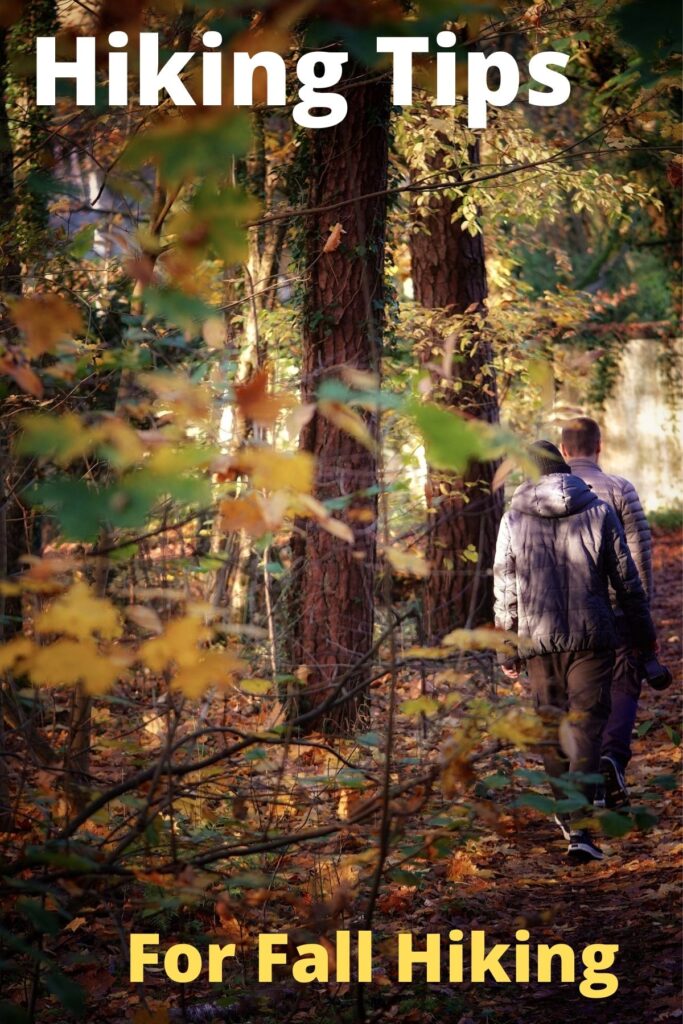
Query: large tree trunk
x=449, y=273
x=343, y=317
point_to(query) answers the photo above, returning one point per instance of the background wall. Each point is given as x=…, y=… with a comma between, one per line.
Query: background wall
x=642, y=424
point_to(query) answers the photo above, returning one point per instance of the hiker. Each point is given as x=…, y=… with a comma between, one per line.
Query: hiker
x=558, y=549
x=581, y=446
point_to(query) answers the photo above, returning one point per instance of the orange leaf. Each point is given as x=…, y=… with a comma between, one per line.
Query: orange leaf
x=243, y=514
x=27, y=379
x=254, y=402
x=334, y=241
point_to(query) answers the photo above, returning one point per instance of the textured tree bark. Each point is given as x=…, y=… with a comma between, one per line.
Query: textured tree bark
x=449, y=273
x=333, y=582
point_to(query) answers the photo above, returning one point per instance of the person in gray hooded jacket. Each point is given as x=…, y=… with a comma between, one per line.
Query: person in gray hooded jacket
x=559, y=548
x=581, y=446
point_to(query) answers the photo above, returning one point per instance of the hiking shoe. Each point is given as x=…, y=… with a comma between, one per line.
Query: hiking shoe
x=599, y=798
x=616, y=792
x=582, y=849
x=562, y=822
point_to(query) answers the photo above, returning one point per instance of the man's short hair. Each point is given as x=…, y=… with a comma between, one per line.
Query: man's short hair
x=581, y=436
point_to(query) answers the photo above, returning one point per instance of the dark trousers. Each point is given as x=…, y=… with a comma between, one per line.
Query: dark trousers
x=626, y=686
x=571, y=692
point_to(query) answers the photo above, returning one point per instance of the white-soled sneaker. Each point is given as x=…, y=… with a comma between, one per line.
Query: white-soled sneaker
x=615, y=790
x=582, y=849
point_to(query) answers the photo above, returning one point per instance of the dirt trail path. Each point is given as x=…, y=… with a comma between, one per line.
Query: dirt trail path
x=633, y=898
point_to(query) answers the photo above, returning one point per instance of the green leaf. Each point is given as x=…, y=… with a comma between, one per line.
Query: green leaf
x=44, y=921
x=183, y=148
x=419, y=706
x=544, y=804
x=350, y=779
x=70, y=995
x=495, y=781
x=82, y=242
x=644, y=727
x=616, y=825
x=248, y=880
x=667, y=782
x=370, y=739
x=570, y=803
x=405, y=877
x=673, y=735
x=335, y=390
x=175, y=306
x=12, y=1014
x=644, y=818
x=451, y=441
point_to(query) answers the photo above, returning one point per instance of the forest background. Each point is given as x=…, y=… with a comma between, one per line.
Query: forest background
x=264, y=389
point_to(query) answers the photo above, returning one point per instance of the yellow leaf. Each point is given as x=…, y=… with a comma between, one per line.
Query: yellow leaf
x=334, y=240
x=278, y=471
x=338, y=529
x=179, y=643
x=517, y=726
x=483, y=639
x=298, y=418
x=420, y=706
x=125, y=441
x=541, y=375
x=362, y=380
x=178, y=394
x=349, y=421
x=80, y=614
x=434, y=653
x=208, y=668
x=306, y=505
x=214, y=332
x=502, y=473
x=45, y=320
x=256, y=686
x=405, y=563
x=13, y=651
x=62, y=438
x=68, y=662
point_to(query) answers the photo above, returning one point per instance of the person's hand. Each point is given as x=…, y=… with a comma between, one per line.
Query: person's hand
x=511, y=672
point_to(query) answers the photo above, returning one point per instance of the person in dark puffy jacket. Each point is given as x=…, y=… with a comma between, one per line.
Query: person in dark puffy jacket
x=581, y=446
x=559, y=548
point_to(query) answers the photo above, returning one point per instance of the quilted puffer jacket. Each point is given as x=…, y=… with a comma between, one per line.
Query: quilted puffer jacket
x=623, y=497
x=558, y=547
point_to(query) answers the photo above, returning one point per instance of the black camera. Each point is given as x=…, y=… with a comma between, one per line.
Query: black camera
x=655, y=674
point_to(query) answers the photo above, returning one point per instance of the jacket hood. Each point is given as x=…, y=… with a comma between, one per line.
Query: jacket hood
x=554, y=496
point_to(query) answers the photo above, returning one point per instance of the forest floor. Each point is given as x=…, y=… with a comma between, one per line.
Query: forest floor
x=508, y=871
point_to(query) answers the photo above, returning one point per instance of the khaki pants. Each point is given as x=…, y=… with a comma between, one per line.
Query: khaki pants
x=578, y=683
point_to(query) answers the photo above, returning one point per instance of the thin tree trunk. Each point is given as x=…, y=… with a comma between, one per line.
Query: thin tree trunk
x=77, y=755
x=449, y=273
x=343, y=315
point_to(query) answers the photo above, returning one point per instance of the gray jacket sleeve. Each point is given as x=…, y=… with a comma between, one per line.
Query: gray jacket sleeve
x=505, y=586
x=624, y=577
x=637, y=531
